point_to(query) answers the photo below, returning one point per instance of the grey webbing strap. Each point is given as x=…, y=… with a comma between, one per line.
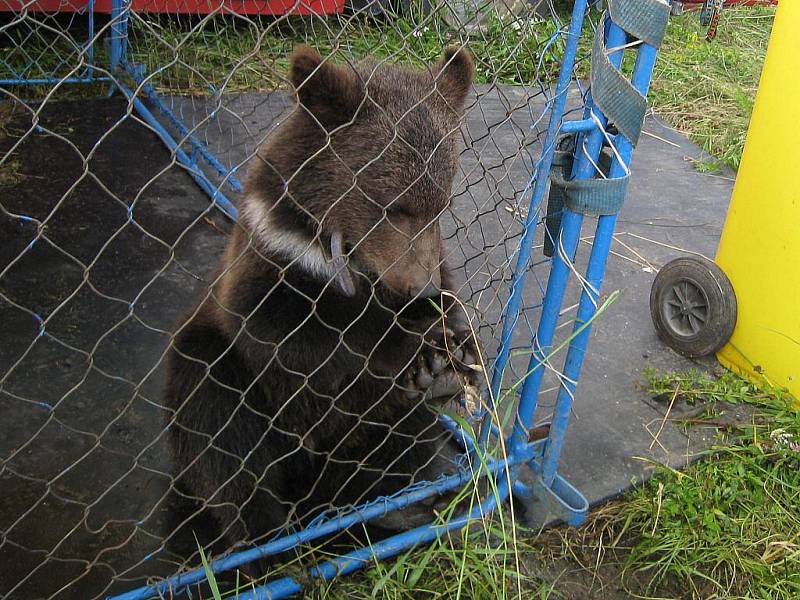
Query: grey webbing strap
x=593, y=197
x=620, y=102
x=643, y=19
x=563, y=158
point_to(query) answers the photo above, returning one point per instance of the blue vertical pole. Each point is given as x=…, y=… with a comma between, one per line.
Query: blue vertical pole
x=90, y=40
x=119, y=34
x=559, y=277
x=642, y=73
x=543, y=170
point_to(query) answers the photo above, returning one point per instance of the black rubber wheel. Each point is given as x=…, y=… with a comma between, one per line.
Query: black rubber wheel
x=693, y=306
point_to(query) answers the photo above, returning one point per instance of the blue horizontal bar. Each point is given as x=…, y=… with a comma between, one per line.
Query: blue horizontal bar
x=358, y=559
x=52, y=80
x=354, y=561
x=577, y=126
x=378, y=509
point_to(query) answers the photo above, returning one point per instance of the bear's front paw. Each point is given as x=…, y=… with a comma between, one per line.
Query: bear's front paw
x=464, y=352
x=428, y=378
x=450, y=364
x=459, y=348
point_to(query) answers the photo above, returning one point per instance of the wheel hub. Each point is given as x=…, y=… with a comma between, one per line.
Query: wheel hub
x=686, y=308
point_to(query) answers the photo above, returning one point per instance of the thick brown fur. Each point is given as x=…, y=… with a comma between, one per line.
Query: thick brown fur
x=289, y=382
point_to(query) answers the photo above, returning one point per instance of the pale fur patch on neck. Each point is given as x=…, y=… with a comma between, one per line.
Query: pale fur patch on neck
x=297, y=248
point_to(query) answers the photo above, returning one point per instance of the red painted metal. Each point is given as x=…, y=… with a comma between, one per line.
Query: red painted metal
x=194, y=7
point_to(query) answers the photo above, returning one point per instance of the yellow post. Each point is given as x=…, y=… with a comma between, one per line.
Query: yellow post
x=760, y=246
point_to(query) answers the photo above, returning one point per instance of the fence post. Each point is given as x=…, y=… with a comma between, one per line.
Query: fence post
x=541, y=172
x=119, y=34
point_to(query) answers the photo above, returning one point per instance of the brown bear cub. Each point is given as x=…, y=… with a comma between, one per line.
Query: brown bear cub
x=304, y=379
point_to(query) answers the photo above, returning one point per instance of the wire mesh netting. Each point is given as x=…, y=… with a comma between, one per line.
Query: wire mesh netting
x=40, y=45
x=228, y=317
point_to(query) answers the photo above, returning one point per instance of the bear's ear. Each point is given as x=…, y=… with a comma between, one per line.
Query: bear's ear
x=330, y=93
x=453, y=75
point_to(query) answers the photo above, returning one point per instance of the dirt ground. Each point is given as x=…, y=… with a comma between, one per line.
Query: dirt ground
x=87, y=301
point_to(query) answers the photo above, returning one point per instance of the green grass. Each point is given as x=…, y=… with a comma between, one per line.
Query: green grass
x=485, y=562
x=240, y=54
x=250, y=55
x=463, y=566
x=706, y=89
x=729, y=525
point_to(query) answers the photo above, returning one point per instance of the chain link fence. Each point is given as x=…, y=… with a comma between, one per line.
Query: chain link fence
x=274, y=330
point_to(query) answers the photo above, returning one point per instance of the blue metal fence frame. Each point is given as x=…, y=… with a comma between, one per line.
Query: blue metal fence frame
x=89, y=75
x=540, y=456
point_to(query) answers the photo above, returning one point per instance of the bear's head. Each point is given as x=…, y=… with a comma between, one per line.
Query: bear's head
x=363, y=168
